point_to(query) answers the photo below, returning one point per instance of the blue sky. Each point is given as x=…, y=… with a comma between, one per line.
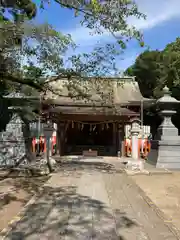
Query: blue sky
x=161, y=27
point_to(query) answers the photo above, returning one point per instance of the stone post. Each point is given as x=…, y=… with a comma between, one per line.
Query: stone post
x=169, y=141
x=135, y=130
x=48, y=130
x=135, y=163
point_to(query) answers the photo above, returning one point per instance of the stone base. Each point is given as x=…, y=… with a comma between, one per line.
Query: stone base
x=168, y=154
x=132, y=173
x=135, y=165
x=44, y=161
x=123, y=159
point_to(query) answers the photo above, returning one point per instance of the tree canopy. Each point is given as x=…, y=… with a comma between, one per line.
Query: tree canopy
x=29, y=53
x=154, y=69
x=111, y=16
x=17, y=10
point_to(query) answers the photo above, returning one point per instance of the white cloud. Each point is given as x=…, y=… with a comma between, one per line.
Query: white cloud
x=157, y=12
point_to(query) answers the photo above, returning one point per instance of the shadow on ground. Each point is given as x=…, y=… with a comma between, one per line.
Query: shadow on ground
x=61, y=212
x=31, y=185
x=10, y=189
x=89, y=166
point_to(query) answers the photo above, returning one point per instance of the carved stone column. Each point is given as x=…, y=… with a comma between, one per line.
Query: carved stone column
x=135, y=162
x=48, y=131
x=135, y=130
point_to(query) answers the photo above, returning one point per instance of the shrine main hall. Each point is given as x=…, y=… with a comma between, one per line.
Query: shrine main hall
x=92, y=113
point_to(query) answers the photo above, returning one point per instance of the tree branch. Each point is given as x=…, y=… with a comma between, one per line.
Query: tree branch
x=25, y=81
x=70, y=6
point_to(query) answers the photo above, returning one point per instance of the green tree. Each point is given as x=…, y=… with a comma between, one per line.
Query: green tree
x=146, y=70
x=17, y=10
x=109, y=16
x=154, y=70
x=46, y=48
x=172, y=54
x=106, y=16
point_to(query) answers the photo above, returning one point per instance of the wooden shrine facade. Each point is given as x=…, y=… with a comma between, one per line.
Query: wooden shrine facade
x=96, y=124
x=99, y=133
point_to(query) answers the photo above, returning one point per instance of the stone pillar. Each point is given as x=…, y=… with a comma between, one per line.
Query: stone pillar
x=135, y=130
x=169, y=142
x=48, y=131
x=135, y=163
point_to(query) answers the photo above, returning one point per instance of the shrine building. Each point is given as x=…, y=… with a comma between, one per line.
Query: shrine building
x=92, y=114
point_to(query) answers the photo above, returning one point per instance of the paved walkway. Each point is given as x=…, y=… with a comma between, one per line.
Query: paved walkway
x=85, y=201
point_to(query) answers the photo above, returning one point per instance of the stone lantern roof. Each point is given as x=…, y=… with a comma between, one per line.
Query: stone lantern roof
x=167, y=98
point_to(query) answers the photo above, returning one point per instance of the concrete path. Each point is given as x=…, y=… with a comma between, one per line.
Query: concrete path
x=85, y=201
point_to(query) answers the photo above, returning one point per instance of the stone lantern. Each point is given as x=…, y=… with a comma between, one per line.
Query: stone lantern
x=169, y=141
x=168, y=106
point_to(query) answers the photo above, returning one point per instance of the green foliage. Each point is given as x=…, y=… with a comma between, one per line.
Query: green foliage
x=100, y=62
x=155, y=69
x=146, y=70
x=43, y=50
x=44, y=47
x=108, y=16
x=18, y=10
